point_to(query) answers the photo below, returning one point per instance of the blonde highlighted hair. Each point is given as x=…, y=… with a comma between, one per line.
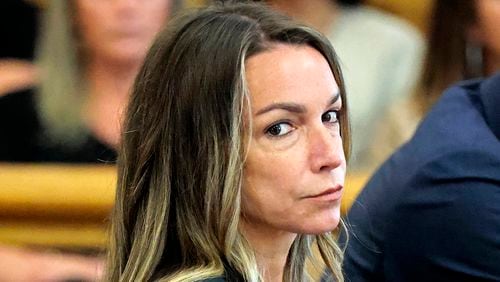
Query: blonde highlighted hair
x=181, y=162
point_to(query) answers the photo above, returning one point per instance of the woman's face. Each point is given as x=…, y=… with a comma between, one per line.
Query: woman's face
x=119, y=31
x=295, y=167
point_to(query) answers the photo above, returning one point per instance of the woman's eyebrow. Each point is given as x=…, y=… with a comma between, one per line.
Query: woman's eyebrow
x=335, y=97
x=292, y=107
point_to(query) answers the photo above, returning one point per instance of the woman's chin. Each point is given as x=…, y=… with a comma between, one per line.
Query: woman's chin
x=322, y=224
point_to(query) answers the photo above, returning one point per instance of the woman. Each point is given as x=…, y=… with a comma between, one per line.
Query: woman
x=232, y=161
x=88, y=55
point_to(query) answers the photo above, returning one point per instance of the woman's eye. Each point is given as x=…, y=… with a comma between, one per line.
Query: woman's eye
x=279, y=129
x=330, y=117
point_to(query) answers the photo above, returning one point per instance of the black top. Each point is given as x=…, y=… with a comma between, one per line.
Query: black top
x=22, y=137
x=432, y=211
x=230, y=275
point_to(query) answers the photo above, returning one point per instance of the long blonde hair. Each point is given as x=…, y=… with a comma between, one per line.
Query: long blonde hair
x=180, y=167
x=59, y=97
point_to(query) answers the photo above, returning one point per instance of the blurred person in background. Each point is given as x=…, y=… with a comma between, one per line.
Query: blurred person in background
x=431, y=212
x=381, y=57
x=463, y=43
x=87, y=57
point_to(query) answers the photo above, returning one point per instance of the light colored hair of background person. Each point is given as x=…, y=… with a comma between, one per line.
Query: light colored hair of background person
x=61, y=93
x=59, y=97
x=180, y=168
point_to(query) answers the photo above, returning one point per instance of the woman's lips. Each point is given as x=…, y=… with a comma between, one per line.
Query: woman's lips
x=330, y=194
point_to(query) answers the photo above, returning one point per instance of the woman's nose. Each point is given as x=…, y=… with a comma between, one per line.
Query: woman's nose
x=326, y=151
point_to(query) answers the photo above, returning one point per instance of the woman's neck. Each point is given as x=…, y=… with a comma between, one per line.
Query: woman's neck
x=320, y=14
x=108, y=89
x=271, y=249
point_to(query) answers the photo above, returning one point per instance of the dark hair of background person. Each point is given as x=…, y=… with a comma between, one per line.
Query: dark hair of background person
x=180, y=167
x=450, y=56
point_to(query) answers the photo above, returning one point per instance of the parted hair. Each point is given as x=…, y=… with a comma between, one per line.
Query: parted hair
x=180, y=168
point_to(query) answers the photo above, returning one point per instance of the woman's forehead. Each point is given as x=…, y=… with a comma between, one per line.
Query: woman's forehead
x=289, y=73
